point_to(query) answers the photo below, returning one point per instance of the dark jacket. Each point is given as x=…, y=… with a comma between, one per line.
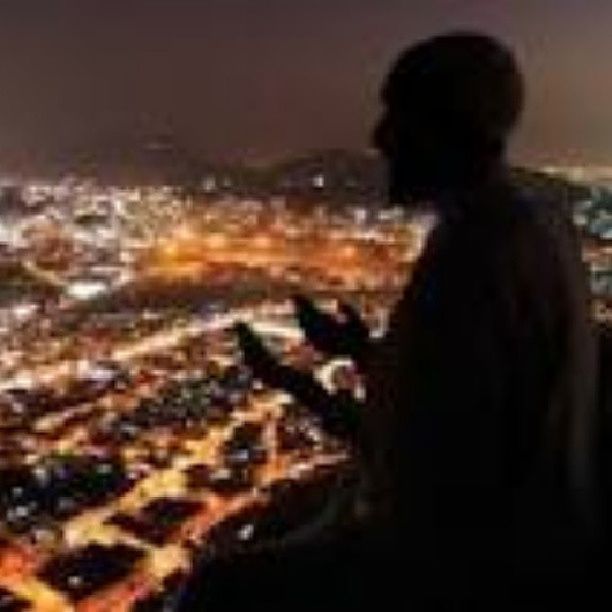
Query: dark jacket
x=482, y=412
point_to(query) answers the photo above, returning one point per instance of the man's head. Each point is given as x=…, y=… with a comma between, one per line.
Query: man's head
x=450, y=103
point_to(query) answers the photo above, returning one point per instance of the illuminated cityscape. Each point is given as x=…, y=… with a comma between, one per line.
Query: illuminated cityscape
x=129, y=431
x=132, y=438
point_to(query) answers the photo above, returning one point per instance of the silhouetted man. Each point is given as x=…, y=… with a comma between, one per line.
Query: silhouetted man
x=484, y=386
x=476, y=440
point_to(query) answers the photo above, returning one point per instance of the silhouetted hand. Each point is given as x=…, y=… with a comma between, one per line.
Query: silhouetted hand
x=339, y=414
x=350, y=338
x=262, y=362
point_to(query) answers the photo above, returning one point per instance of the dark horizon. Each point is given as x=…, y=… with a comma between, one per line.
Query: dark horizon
x=234, y=80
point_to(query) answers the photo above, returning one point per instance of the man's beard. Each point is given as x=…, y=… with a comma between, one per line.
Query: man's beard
x=403, y=193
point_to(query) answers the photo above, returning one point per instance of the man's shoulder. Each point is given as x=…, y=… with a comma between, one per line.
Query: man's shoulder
x=520, y=244
x=523, y=223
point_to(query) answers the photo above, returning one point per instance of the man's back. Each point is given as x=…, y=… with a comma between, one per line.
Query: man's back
x=483, y=390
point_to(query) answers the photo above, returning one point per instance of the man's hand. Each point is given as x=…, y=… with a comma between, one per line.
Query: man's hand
x=339, y=415
x=350, y=338
x=262, y=362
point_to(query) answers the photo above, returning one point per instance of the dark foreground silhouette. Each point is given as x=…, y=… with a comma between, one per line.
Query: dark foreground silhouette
x=475, y=451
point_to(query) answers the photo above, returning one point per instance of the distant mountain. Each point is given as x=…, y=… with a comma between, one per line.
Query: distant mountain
x=321, y=176
x=334, y=176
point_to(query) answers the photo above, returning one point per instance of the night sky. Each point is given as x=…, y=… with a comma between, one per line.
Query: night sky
x=257, y=79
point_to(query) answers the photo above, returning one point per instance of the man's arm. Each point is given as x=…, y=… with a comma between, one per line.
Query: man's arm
x=338, y=413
